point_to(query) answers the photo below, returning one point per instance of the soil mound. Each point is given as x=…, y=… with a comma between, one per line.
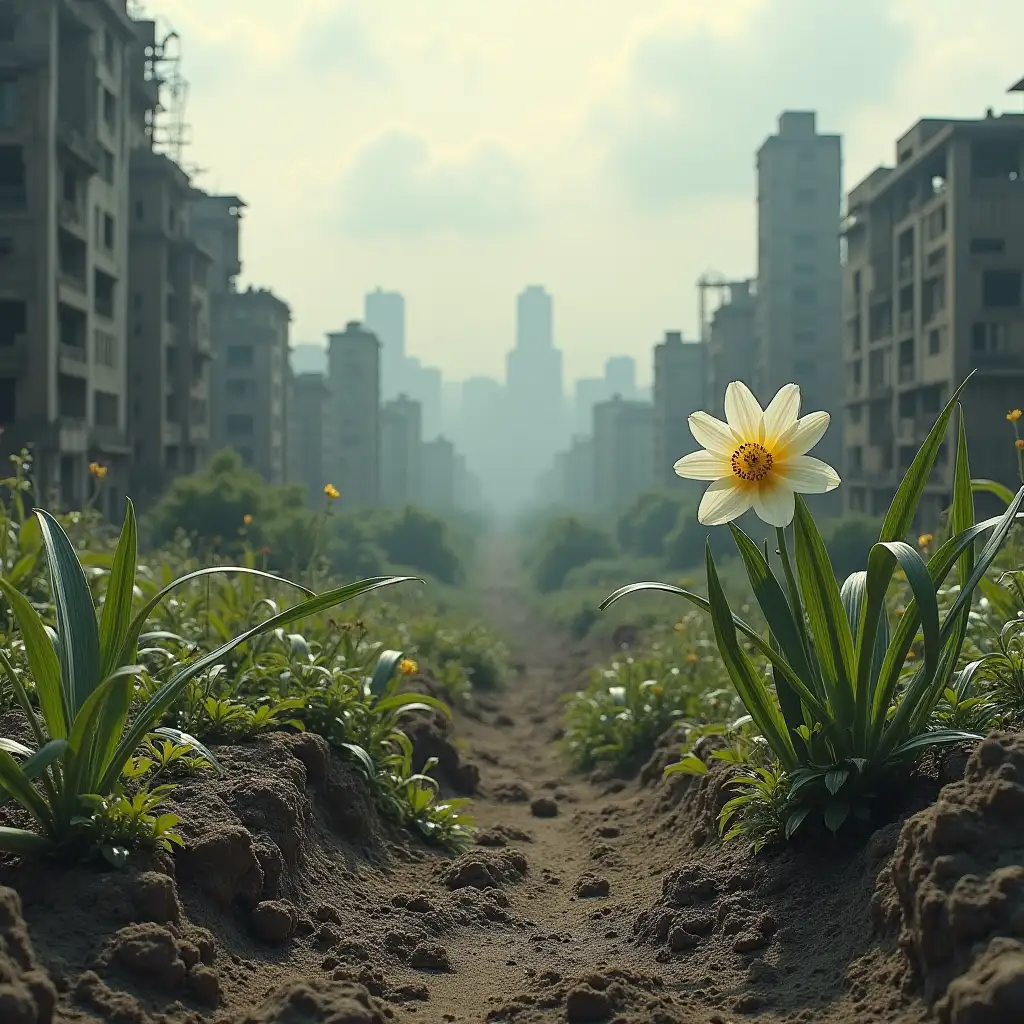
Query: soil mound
x=954, y=890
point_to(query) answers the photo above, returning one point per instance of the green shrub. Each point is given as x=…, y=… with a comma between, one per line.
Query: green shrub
x=644, y=527
x=420, y=541
x=566, y=544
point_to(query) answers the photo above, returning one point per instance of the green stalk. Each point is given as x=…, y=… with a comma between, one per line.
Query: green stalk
x=794, y=591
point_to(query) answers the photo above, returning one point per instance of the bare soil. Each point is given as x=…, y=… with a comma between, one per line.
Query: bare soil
x=584, y=900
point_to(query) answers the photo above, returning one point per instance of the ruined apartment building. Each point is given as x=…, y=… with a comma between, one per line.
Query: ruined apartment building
x=799, y=274
x=65, y=98
x=623, y=453
x=933, y=289
x=352, y=446
x=250, y=375
x=169, y=310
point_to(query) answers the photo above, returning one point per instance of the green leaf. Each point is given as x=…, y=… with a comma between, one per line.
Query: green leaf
x=936, y=738
x=901, y=512
x=795, y=820
x=749, y=684
x=412, y=702
x=43, y=662
x=689, y=765
x=961, y=515
x=833, y=642
x=43, y=758
x=117, y=605
x=23, y=843
x=362, y=757
x=79, y=651
x=85, y=739
x=165, y=696
x=835, y=779
x=836, y=812
x=14, y=781
x=184, y=739
x=1000, y=491
x=384, y=671
x=14, y=747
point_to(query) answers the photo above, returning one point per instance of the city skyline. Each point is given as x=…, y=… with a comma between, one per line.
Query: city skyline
x=552, y=149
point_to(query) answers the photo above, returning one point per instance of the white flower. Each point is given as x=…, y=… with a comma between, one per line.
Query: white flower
x=758, y=459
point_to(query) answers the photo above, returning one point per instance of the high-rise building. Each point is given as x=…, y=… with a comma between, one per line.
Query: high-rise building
x=438, y=475
x=623, y=448
x=250, y=374
x=620, y=376
x=66, y=102
x=535, y=425
x=933, y=289
x=401, y=439
x=352, y=448
x=384, y=315
x=799, y=276
x=587, y=393
x=732, y=352
x=169, y=347
x=307, y=433
x=678, y=391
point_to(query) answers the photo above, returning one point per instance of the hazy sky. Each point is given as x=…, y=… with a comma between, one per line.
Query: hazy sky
x=457, y=150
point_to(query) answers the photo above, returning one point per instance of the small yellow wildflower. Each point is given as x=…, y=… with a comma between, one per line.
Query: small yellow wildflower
x=656, y=690
x=408, y=667
x=911, y=656
x=332, y=492
x=97, y=470
x=1014, y=414
x=1019, y=444
x=247, y=519
x=692, y=659
x=925, y=539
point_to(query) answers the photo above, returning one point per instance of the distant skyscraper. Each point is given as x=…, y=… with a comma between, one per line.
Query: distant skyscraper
x=401, y=442
x=306, y=435
x=588, y=392
x=535, y=427
x=384, y=315
x=799, y=276
x=352, y=444
x=623, y=452
x=678, y=387
x=732, y=352
x=620, y=375
x=534, y=319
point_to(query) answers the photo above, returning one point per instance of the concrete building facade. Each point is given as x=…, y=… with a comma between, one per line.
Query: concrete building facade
x=65, y=124
x=732, y=349
x=352, y=447
x=678, y=390
x=623, y=447
x=933, y=289
x=384, y=315
x=401, y=440
x=307, y=434
x=438, y=476
x=799, y=275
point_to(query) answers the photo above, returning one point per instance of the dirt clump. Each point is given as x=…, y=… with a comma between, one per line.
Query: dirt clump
x=483, y=870
x=954, y=887
x=27, y=995
x=325, y=1002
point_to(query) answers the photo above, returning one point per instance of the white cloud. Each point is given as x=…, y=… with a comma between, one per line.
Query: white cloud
x=398, y=185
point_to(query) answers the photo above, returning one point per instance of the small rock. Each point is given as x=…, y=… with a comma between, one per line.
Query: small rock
x=609, y=831
x=585, y=1006
x=680, y=939
x=410, y=993
x=430, y=958
x=155, y=897
x=590, y=886
x=204, y=984
x=749, y=941
x=272, y=921
x=544, y=807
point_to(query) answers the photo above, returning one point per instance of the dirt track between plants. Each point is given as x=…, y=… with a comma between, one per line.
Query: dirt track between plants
x=584, y=900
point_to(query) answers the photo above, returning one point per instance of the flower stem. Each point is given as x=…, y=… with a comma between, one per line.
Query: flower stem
x=794, y=592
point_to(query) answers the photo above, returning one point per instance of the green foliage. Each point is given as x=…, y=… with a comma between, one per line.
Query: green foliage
x=89, y=722
x=643, y=528
x=842, y=716
x=565, y=544
x=419, y=540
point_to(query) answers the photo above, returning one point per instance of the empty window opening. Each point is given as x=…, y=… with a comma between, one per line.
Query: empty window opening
x=13, y=321
x=1001, y=289
x=988, y=245
x=12, y=178
x=997, y=159
x=104, y=287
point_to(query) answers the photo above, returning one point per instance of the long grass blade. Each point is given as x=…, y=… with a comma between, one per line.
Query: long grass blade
x=15, y=782
x=117, y=605
x=961, y=514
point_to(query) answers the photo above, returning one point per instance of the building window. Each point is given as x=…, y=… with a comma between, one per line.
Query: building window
x=6, y=245
x=855, y=458
x=936, y=223
x=13, y=195
x=107, y=166
x=239, y=355
x=237, y=387
x=240, y=425
x=108, y=49
x=108, y=106
x=804, y=338
x=8, y=102
x=807, y=295
x=1001, y=289
x=805, y=196
x=856, y=414
x=13, y=321
x=108, y=232
x=140, y=210
x=985, y=246
x=935, y=341
x=106, y=348
x=106, y=407
x=997, y=160
x=104, y=287
x=172, y=307
x=8, y=24
x=171, y=409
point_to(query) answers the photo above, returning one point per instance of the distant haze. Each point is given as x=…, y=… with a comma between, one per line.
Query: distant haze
x=457, y=151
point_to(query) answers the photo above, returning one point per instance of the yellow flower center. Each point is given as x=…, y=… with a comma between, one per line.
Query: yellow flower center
x=751, y=462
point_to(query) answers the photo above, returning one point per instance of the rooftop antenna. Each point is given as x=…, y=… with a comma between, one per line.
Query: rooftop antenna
x=171, y=132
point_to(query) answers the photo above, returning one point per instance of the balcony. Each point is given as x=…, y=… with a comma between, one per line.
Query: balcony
x=905, y=321
x=87, y=151
x=110, y=440
x=72, y=216
x=905, y=270
x=73, y=359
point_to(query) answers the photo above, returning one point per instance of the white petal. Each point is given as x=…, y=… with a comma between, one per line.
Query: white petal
x=703, y=466
x=774, y=502
x=743, y=411
x=713, y=434
x=802, y=436
x=723, y=501
x=807, y=475
x=782, y=412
